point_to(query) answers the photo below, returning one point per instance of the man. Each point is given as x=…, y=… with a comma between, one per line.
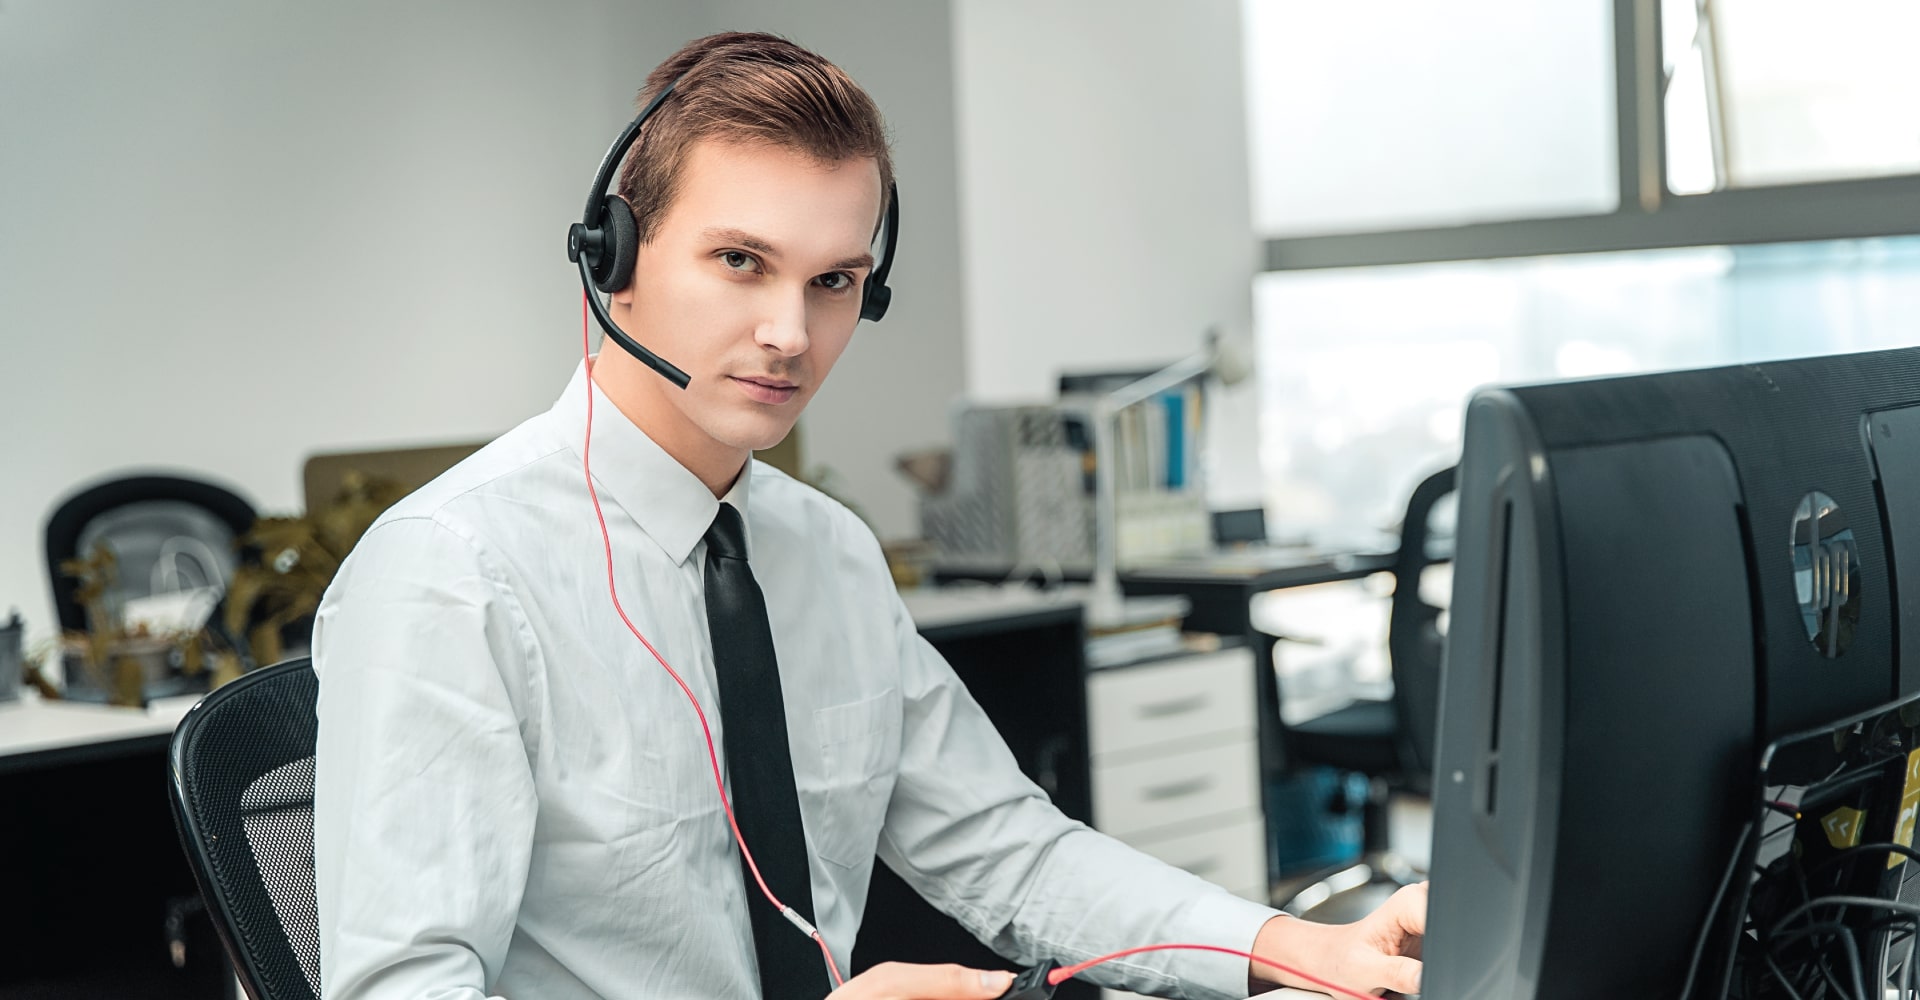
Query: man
x=513, y=798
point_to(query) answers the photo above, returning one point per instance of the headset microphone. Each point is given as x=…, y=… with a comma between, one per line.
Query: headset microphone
x=606, y=242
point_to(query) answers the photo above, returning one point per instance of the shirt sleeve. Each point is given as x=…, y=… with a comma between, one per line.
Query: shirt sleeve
x=424, y=801
x=970, y=833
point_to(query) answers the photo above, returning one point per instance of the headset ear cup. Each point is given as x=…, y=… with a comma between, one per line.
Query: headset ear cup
x=614, y=268
x=876, y=299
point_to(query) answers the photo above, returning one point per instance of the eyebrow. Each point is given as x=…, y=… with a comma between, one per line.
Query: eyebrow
x=742, y=238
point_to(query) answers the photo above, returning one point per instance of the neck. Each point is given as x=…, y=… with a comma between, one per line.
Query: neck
x=640, y=394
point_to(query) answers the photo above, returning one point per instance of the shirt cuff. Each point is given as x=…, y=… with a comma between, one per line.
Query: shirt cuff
x=1227, y=921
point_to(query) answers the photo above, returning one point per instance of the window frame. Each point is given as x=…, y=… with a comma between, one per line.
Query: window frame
x=1650, y=216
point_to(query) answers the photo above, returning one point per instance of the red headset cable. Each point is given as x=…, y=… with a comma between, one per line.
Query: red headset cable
x=713, y=757
x=1055, y=978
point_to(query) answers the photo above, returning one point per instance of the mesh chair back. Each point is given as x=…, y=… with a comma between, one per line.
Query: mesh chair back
x=242, y=765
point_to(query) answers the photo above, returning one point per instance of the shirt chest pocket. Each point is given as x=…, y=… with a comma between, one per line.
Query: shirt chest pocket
x=859, y=757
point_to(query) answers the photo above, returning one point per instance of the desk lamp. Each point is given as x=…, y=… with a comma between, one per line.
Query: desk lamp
x=1220, y=359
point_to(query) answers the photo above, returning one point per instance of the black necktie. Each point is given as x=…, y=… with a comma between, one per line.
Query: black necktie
x=753, y=719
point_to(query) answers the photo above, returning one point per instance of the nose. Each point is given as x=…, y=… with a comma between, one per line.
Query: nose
x=783, y=328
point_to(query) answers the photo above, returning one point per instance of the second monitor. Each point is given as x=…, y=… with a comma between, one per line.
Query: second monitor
x=1655, y=576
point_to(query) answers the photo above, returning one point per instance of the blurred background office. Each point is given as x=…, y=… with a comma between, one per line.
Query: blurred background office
x=240, y=234
x=234, y=236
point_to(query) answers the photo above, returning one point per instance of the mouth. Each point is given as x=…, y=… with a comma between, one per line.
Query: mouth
x=765, y=390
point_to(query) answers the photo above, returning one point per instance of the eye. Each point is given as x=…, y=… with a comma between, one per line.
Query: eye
x=736, y=260
x=835, y=281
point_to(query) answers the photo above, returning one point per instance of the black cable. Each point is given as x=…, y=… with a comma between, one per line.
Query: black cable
x=1853, y=964
x=1880, y=848
x=1846, y=854
x=1713, y=911
x=1834, y=928
x=1781, y=975
x=1843, y=779
x=1911, y=910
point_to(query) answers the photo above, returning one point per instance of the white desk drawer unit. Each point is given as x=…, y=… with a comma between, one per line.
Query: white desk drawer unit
x=1176, y=765
x=1164, y=793
x=1150, y=705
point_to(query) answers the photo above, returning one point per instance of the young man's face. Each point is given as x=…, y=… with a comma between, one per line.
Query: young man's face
x=751, y=285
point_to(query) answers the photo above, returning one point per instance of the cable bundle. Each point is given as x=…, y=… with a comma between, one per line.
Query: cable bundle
x=1820, y=918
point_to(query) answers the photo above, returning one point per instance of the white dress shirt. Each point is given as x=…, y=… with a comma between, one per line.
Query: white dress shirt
x=513, y=799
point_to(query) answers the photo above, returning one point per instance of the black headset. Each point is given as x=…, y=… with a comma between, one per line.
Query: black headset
x=606, y=242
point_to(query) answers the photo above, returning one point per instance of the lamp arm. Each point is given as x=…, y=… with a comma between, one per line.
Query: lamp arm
x=1197, y=365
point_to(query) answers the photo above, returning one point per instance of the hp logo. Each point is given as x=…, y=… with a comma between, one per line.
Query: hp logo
x=1826, y=574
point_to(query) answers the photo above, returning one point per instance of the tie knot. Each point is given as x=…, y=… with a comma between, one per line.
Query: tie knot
x=727, y=538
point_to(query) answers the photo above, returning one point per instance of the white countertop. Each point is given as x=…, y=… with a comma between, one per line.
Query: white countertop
x=936, y=607
x=31, y=725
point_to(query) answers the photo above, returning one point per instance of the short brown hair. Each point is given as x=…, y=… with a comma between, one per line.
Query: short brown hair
x=754, y=88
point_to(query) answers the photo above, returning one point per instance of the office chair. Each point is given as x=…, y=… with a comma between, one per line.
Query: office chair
x=242, y=770
x=167, y=533
x=1389, y=741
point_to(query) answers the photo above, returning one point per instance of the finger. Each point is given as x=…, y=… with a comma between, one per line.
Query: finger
x=1401, y=975
x=1409, y=908
x=941, y=982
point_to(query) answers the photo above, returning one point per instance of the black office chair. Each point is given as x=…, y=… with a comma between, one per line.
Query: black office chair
x=242, y=763
x=1415, y=644
x=1389, y=741
x=156, y=526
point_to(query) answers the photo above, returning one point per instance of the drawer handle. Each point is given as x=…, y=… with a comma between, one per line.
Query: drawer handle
x=1178, y=789
x=1175, y=706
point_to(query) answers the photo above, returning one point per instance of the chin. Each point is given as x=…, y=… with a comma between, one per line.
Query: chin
x=752, y=434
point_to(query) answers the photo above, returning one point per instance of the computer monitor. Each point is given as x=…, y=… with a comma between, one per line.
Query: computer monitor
x=1655, y=576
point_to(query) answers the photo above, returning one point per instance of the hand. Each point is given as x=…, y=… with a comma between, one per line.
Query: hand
x=901, y=981
x=1377, y=953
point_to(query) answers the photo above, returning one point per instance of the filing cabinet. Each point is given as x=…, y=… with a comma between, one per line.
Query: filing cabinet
x=1175, y=755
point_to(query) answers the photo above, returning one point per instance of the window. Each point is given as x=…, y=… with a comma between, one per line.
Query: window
x=1402, y=112
x=1365, y=372
x=1768, y=92
x=1505, y=191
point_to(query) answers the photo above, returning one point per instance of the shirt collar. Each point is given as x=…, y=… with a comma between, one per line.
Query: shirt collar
x=662, y=496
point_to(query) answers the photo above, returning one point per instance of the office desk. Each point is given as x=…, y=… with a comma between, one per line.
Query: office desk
x=37, y=734
x=1221, y=588
x=91, y=860
x=1222, y=591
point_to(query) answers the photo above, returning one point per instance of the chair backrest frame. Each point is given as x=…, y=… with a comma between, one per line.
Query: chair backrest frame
x=1414, y=646
x=212, y=829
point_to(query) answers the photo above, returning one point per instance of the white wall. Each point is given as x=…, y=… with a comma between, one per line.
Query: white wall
x=1104, y=198
x=236, y=233
x=892, y=390
x=233, y=233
